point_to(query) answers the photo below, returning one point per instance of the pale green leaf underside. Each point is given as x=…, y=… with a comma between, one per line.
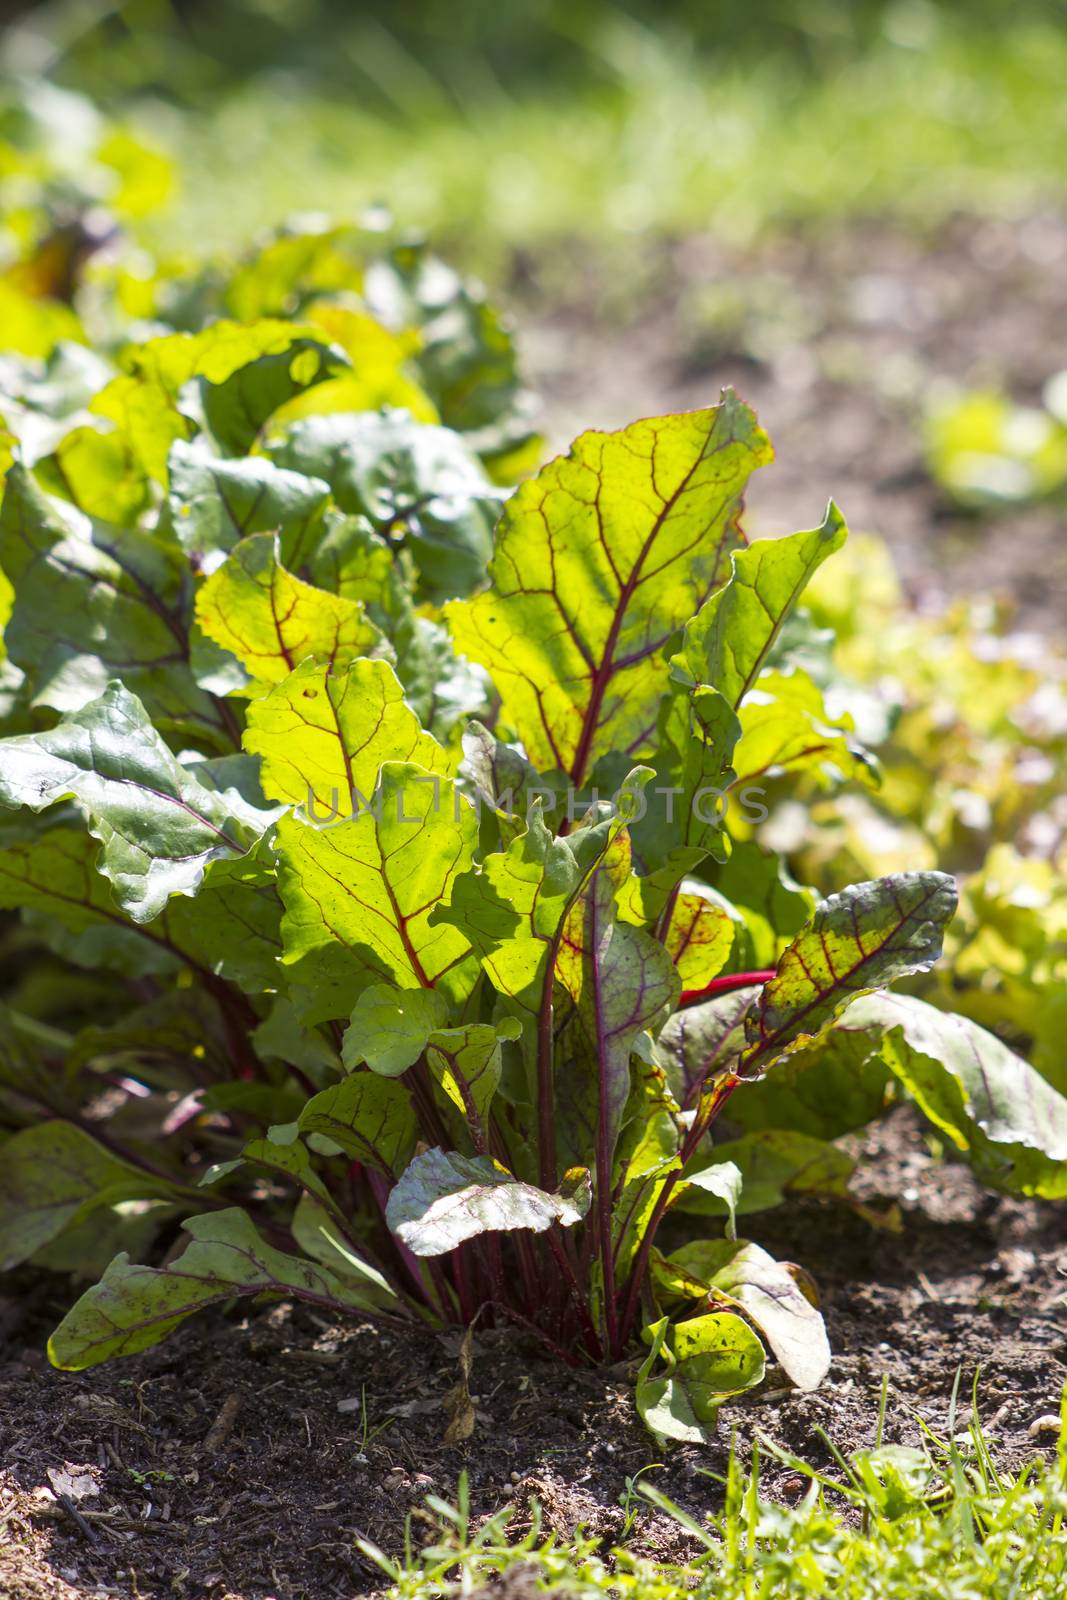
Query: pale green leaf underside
x=444, y=1198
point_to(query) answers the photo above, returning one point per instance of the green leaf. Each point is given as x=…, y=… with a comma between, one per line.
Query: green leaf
x=323, y=736
x=728, y=641
x=237, y=408
x=159, y=828
x=501, y=778
x=774, y=1164
x=513, y=907
x=785, y=727
x=839, y=1084
x=318, y=1235
x=1002, y=1115
x=52, y=1177
x=724, y=1180
x=467, y=358
x=162, y=1037
x=417, y=484
x=599, y=560
x=444, y=1198
x=389, y=1027
x=755, y=885
x=708, y=1359
x=100, y=473
x=686, y=815
x=858, y=940
x=272, y=622
x=767, y=1294
x=214, y=503
x=698, y=937
x=134, y=1307
x=49, y=875
x=291, y=1158
x=466, y=1062
x=94, y=602
x=703, y=1039
x=370, y=885
x=233, y=927
x=369, y=1116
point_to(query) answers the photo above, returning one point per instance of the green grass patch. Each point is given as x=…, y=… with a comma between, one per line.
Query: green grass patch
x=891, y=1523
x=935, y=117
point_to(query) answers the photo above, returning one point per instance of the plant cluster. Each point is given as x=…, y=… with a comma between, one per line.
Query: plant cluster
x=385, y=916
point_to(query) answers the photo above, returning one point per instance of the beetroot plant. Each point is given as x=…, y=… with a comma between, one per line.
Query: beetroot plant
x=392, y=840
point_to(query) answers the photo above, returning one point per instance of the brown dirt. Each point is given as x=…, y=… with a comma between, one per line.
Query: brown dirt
x=272, y=1505
x=837, y=339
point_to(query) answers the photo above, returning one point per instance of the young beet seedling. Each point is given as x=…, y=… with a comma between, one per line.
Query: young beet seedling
x=455, y=1027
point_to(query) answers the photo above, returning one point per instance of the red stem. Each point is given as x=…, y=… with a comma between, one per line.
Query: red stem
x=724, y=985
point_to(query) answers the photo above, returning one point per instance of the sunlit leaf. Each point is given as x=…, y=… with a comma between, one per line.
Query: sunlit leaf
x=599, y=560
x=323, y=737
x=856, y=941
x=764, y=1290
x=273, y=622
x=708, y=1360
x=444, y=1198
x=369, y=885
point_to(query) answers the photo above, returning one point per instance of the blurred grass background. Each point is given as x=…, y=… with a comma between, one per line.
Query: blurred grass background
x=539, y=123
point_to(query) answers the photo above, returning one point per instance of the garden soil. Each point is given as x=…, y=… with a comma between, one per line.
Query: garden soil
x=254, y=1456
x=840, y=341
x=249, y=1456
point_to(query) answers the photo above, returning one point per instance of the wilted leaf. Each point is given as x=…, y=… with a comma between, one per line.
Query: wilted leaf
x=991, y=1104
x=764, y=1290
